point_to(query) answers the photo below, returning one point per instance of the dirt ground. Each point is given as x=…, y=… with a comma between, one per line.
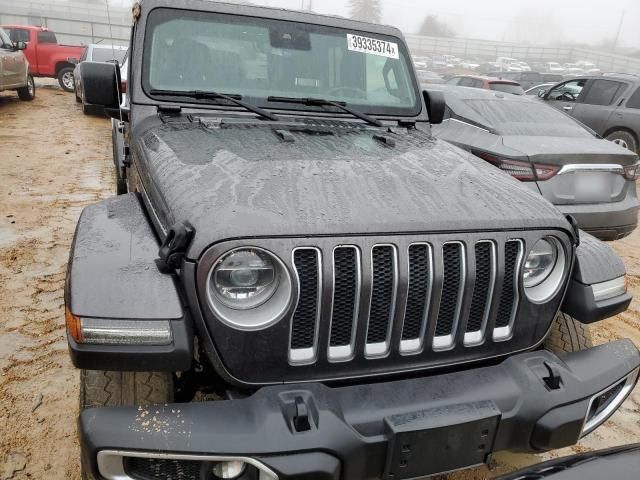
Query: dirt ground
x=53, y=162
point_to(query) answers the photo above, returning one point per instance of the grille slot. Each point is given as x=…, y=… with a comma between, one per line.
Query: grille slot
x=451, y=299
x=306, y=317
x=482, y=293
x=509, y=296
x=418, y=297
x=346, y=301
x=383, y=299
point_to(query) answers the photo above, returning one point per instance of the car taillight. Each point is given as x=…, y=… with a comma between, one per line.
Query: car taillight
x=521, y=170
x=123, y=86
x=632, y=172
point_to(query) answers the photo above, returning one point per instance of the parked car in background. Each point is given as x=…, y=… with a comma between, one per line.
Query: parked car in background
x=95, y=53
x=553, y=67
x=469, y=64
x=589, y=68
x=14, y=68
x=440, y=62
x=608, y=104
x=426, y=77
x=486, y=83
x=583, y=175
x=535, y=91
x=526, y=79
x=524, y=66
x=507, y=64
x=46, y=57
x=572, y=70
x=487, y=67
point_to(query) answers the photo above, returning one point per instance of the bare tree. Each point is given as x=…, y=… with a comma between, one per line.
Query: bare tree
x=435, y=28
x=366, y=10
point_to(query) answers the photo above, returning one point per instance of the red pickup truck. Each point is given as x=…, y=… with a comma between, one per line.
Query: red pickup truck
x=46, y=58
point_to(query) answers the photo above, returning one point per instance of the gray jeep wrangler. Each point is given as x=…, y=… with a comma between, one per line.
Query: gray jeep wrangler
x=301, y=283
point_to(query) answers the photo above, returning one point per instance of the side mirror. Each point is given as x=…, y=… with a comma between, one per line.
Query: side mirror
x=436, y=105
x=20, y=46
x=542, y=93
x=100, y=82
x=72, y=60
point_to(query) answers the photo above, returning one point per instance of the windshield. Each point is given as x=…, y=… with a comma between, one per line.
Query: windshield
x=259, y=58
x=108, y=54
x=526, y=118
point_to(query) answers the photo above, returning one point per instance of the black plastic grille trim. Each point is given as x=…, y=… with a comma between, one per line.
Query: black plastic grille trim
x=382, y=293
x=155, y=468
x=420, y=276
x=452, y=258
x=481, y=299
x=305, y=318
x=509, y=294
x=345, y=295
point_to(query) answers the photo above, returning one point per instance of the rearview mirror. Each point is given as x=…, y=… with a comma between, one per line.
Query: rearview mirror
x=436, y=105
x=100, y=82
x=20, y=45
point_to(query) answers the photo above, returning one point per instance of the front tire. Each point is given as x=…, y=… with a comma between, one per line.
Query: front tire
x=624, y=139
x=568, y=335
x=28, y=92
x=65, y=79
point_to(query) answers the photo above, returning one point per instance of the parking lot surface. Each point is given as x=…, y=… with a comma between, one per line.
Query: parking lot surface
x=54, y=161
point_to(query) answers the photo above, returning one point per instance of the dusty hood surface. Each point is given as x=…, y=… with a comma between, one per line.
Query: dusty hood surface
x=240, y=180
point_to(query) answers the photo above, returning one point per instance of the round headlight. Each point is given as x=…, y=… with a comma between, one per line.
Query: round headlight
x=540, y=263
x=544, y=270
x=245, y=279
x=249, y=288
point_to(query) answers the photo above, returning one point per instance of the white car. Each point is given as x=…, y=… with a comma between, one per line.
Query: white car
x=553, y=67
x=589, y=68
x=508, y=64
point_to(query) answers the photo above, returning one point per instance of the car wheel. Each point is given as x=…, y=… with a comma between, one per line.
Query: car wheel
x=65, y=79
x=121, y=389
x=28, y=93
x=568, y=335
x=86, y=109
x=624, y=139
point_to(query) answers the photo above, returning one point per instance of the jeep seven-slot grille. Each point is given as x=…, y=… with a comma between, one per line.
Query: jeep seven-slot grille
x=420, y=294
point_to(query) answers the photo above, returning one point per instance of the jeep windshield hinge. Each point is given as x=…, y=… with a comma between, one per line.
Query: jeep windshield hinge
x=576, y=229
x=174, y=247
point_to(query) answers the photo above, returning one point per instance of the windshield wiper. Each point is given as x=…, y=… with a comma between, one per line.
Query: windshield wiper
x=320, y=102
x=209, y=95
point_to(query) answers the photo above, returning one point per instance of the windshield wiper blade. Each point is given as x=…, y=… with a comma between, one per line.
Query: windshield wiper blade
x=321, y=102
x=210, y=95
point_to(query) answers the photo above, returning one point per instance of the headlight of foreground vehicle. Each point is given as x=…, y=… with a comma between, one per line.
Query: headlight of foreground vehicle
x=249, y=288
x=544, y=270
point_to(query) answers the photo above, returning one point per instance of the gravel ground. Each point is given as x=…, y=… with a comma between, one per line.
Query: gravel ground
x=54, y=161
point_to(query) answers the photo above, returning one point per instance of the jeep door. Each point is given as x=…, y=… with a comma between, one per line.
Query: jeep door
x=565, y=95
x=599, y=101
x=14, y=64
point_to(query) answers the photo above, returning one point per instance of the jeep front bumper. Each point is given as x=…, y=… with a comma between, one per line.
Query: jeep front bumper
x=395, y=430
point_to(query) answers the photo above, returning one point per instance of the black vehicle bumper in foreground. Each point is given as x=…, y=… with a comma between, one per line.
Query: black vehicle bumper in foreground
x=395, y=430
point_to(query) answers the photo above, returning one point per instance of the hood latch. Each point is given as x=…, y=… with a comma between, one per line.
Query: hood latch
x=174, y=247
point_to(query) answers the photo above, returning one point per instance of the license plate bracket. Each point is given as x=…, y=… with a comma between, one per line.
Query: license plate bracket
x=439, y=440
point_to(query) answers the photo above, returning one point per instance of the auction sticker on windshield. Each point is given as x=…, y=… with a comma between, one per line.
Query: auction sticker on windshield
x=372, y=46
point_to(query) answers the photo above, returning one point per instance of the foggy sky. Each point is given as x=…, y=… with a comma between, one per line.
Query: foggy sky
x=528, y=21
x=547, y=21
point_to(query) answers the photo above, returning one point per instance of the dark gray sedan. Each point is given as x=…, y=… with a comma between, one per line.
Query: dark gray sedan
x=579, y=172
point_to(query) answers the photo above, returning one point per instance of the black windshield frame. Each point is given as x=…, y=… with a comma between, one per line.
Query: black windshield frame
x=161, y=14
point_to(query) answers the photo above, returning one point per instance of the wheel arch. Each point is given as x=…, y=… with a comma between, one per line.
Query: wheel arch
x=622, y=129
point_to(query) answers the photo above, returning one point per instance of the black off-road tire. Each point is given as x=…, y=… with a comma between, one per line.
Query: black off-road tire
x=568, y=335
x=624, y=139
x=116, y=389
x=28, y=93
x=63, y=79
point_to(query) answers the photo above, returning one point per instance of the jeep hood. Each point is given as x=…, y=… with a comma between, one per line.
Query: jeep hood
x=239, y=180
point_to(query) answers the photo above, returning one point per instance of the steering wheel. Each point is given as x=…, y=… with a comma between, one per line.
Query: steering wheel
x=568, y=97
x=359, y=93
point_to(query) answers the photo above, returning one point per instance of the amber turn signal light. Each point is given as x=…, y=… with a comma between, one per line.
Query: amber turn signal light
x=74, y=327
